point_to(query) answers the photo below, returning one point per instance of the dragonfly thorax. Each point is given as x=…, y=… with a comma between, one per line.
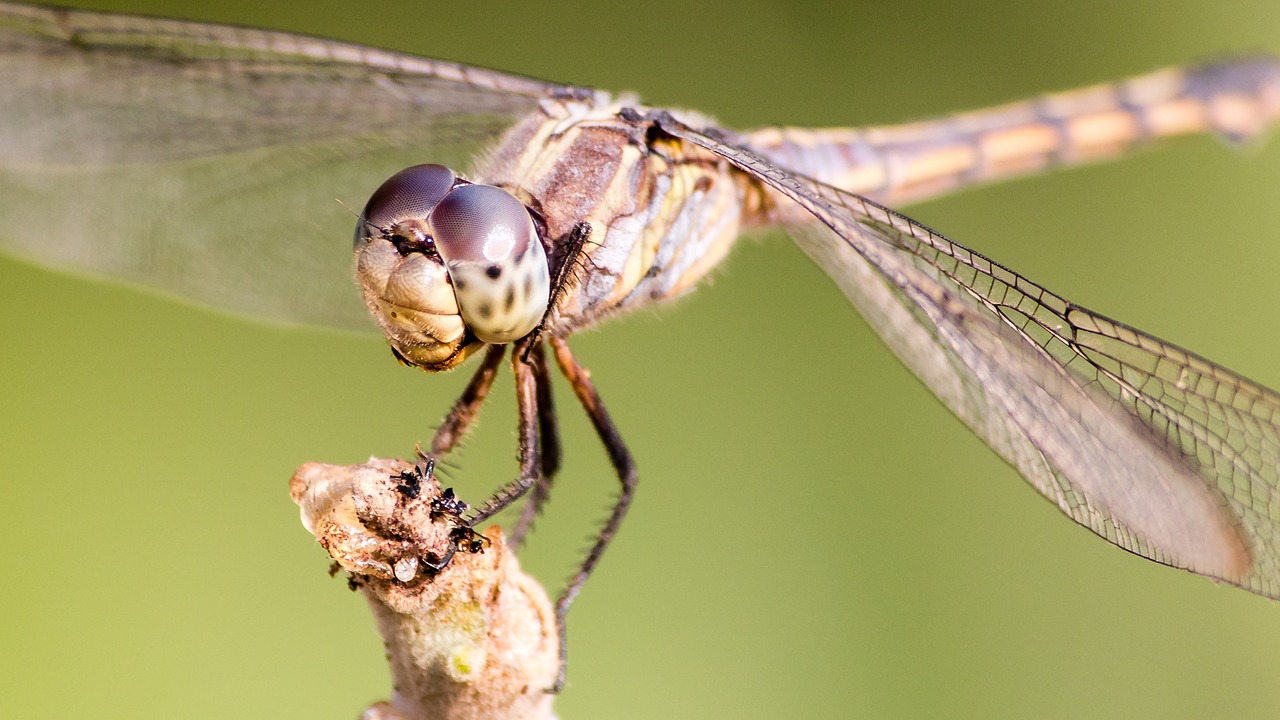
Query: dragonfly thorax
x=447, y=265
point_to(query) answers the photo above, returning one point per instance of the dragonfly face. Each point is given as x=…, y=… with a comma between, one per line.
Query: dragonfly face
x=446, y=265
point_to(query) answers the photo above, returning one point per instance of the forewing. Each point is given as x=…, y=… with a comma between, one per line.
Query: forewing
x=1154, y=448
x=205, y=160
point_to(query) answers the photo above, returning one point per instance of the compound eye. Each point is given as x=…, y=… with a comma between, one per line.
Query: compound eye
x=495, y=260
x=410, y=194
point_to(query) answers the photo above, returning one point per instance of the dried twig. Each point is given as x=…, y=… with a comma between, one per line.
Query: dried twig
x=468, y=635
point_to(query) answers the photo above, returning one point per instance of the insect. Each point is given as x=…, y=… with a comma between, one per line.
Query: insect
x=1157, y=450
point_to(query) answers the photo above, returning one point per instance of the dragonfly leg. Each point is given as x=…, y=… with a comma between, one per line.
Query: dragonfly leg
x=620, y=458
x=549, y=434
x=530, y=447
x=565, y=257
x=463, y=413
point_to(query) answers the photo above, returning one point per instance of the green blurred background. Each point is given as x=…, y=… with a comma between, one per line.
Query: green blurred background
x=815, y=536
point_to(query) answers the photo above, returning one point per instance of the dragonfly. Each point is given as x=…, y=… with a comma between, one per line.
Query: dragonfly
x=531, y=210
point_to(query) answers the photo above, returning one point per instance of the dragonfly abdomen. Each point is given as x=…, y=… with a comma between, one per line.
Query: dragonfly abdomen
x=1235, y=100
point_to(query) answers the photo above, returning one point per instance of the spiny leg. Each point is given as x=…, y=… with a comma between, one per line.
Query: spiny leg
x=550, y=437
x=530, y=352
x=463, y=413
x=620, y=457
x=530, y=450
x=565, y=258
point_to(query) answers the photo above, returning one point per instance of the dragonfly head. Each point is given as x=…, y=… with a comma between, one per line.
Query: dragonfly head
x=447, y=265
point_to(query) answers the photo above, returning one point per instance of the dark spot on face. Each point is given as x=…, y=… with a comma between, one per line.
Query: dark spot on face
x=510, y=301
x=394, y=314
x=459, y=283
x=493, y=271
x=485, y=311
x=521, y=255
x=528, y=286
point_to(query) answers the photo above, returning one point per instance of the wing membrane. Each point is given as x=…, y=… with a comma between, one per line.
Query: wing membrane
x=204, y=160
x=1154, y=448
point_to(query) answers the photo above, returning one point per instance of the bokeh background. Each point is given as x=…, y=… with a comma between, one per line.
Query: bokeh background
x=815, y=536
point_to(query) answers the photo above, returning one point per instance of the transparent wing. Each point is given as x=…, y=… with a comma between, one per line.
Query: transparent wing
x=1154, y=448
x=205, y=160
